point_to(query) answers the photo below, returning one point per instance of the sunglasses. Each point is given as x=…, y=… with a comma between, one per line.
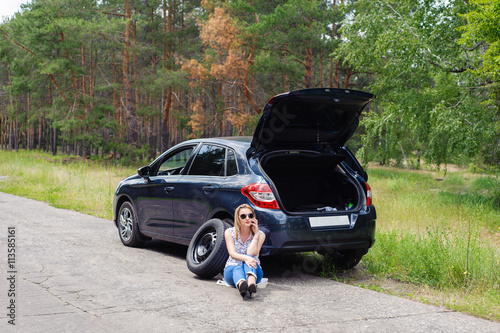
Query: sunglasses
x=244, y=216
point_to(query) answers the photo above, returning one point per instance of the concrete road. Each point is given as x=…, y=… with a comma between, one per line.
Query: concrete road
x=70, y=273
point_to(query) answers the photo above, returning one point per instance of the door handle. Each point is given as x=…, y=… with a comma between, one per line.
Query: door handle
x=208, y=188
x=168, y=188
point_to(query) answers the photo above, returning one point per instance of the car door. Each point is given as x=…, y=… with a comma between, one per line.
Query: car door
x=154, y=206
x=195, y=191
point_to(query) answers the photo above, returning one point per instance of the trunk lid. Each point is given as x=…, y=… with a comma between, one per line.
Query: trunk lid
x=310, y=118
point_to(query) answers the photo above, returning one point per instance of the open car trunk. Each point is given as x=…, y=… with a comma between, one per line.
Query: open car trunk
x=311, y=182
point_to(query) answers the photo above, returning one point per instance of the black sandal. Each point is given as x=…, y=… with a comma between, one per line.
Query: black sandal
x=252, y=289
x=243, y=287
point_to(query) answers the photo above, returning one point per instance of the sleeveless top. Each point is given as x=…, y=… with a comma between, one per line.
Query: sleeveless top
x=241, y=248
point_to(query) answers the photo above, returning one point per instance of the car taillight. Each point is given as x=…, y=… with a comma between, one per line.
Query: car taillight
x=261, y=195
x=368, y=194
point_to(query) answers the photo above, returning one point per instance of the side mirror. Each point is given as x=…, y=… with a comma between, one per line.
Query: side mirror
x=144, y=173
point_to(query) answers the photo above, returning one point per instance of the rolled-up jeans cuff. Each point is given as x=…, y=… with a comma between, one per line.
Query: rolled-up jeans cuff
x=251, y=273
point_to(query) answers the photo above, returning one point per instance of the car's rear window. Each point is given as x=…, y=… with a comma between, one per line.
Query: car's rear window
x=209, y=161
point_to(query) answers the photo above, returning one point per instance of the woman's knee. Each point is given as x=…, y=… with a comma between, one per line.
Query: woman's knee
x=233, y=274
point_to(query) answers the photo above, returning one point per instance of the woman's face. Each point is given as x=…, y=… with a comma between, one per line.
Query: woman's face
x=247, y=221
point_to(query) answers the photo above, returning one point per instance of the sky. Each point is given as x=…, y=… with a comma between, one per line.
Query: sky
x=9, y=7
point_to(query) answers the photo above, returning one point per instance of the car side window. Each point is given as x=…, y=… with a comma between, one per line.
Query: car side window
x=174, y=164
x=231, y=166
x=209, y=161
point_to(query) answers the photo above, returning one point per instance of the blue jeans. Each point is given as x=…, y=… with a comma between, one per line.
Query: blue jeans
x=235, y=273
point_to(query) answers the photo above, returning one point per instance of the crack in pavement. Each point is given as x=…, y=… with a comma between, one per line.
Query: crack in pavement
x=60, y=298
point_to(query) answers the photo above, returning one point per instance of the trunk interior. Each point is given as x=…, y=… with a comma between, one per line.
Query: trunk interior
x=311, y=182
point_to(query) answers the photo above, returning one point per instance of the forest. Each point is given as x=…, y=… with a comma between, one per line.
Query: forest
x=127, y=79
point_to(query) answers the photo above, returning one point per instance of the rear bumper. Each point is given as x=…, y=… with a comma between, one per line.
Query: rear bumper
x=286, y=233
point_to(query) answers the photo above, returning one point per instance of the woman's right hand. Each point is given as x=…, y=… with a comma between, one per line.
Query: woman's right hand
x=255, y=227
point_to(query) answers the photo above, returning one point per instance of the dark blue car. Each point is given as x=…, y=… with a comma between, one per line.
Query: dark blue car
x=308, y=190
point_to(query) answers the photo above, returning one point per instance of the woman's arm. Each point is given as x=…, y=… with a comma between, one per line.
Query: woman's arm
x=231, y=248
x=256, y=244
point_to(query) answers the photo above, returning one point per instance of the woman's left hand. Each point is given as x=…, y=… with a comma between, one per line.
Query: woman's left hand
x=250, y=261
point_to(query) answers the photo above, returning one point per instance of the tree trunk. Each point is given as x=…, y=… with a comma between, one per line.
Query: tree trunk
x=128, y=106
x=335, y=79
x=53, y=143
x=321, y=68
x=247, y=73
x=93, y=62
x=348, y=75
x=116, y=106
x=337, y=74
x=41, y=144
x=136, y=71
x=167, y=58
x=308, y=66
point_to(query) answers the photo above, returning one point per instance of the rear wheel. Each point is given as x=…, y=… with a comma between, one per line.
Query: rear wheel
x=207, y=253
x=345, y=259
x=127, y=226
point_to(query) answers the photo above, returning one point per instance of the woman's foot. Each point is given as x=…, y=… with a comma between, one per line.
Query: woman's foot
x=243, y=287
x=252, y=289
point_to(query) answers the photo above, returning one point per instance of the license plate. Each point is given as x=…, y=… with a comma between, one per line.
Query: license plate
x=329, y=221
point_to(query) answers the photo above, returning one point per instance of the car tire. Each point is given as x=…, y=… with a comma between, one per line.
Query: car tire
x=127, y=226
x=207, y=253
x=346, y=259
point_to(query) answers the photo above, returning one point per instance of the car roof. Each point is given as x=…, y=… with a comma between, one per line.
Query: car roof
x=237, y=142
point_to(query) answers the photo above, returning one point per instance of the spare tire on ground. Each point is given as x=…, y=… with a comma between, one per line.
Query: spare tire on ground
x=207, y=253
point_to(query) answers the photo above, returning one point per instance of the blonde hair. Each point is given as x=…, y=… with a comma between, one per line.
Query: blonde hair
x=237, y=221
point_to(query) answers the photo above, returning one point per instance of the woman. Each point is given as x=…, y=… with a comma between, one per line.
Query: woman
x=243, y=243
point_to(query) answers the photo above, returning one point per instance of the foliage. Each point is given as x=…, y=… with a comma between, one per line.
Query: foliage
x=428, y=105
x=120, y=77
x=482, y=32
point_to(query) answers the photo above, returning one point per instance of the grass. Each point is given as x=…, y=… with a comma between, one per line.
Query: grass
x=438, y=240
x=459, y=264
x=64, y=182
x=438, y=237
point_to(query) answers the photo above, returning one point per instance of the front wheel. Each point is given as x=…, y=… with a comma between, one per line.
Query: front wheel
x=207, y=253
x=127, y=226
